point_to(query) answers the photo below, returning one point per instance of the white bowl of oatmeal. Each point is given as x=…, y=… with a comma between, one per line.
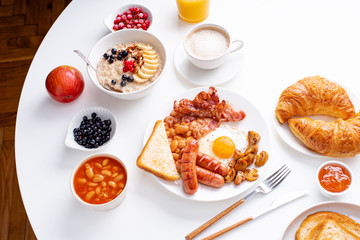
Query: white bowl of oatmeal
x=129, y=63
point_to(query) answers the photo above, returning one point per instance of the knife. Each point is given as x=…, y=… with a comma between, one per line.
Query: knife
x=284, y=199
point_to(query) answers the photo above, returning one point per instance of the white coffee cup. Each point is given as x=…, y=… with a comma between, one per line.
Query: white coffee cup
x=209, y=45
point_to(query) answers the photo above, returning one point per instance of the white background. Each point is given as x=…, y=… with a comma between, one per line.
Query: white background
x=284, y=42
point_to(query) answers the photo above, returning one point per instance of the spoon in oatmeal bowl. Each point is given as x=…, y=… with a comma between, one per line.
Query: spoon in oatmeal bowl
x=83, y=57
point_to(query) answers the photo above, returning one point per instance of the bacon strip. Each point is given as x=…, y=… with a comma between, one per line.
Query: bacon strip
x=208, y=105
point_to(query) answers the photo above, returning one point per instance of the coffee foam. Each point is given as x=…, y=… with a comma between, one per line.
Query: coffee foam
x=207, y=42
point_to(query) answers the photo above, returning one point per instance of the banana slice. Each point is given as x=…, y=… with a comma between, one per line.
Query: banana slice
x=144, y=47
x=147, y=56
x=148, y=71
x=144, y=75
x=150, y=66
x=150, y=52
x=151, y=61
x=139, y=79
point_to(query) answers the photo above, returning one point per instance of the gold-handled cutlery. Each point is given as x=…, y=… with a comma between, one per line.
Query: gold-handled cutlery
x=286, y=198
x=265, y=186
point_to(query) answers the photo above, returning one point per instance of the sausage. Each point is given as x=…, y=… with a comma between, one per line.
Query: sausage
x=188, y=166
x=209, y=178
x=211, y=164
x=206, y=177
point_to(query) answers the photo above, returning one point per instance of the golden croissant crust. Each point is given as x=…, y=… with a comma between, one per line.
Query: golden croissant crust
x=314, y=95
x=338, y=138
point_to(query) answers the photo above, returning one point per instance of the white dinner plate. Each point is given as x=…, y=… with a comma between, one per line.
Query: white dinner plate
x=285, y=133
x=253, y=121
x=348, y=209
x=206, y=77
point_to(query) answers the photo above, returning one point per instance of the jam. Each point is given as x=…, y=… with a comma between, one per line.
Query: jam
x=334, y=178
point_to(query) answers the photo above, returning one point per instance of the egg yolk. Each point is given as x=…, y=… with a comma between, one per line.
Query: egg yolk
x=223, y=147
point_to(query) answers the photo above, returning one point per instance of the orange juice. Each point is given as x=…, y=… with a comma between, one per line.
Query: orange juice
x=193, y=10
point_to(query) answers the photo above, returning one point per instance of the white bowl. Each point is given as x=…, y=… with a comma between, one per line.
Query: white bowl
x=101, y=112
x=125, y=36
x=104, y=206
x=109, y=20
x=328, y=193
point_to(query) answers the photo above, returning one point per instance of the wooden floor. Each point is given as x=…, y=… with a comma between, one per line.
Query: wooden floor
x=23, y=24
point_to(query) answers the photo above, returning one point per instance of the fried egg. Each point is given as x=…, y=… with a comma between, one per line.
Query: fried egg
x=222, y=142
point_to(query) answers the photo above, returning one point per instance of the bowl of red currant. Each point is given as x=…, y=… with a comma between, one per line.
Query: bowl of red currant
x=131, y=16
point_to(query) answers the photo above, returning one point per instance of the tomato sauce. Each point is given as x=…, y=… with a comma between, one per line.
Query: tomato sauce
x=334, y=178
x=100, y=180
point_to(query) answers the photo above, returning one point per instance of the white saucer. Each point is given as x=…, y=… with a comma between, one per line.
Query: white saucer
x=203, y=77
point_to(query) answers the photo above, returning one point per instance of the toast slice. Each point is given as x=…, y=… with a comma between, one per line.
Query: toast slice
x=313, y=226
x=332, y=231
x=156, y=157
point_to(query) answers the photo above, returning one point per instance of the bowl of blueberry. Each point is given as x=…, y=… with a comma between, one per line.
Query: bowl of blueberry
x=91, y=129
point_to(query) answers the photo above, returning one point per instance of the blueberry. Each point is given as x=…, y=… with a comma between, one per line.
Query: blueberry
x=85, y=118
x=108, y=122
x=130, y=79
x=112, y=56
x=93, y=115
x=124, y=77
x=119, y=57
x=106, y=56
x=113, y=51
x=124, y=53
x=111, y=60
x=113, y=82
x=123, y=83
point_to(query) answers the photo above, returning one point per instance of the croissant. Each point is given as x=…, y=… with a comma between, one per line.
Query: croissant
x=314, y=95
x=338, y=138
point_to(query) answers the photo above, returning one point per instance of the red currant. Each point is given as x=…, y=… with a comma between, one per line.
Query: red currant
x=116, y=21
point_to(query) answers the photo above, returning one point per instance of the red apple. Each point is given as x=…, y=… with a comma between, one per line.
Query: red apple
x=65, y=84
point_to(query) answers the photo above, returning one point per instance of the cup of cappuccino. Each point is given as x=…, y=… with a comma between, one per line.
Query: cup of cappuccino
x=209, y=45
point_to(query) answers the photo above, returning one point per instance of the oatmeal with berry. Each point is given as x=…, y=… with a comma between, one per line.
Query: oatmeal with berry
x=128, y=67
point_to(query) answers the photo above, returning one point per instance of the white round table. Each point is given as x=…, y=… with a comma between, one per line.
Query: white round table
x=284, y=42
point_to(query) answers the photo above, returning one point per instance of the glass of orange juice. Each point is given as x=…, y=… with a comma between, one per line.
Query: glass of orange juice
x=193, y=10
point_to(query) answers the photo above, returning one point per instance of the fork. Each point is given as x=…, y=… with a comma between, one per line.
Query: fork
x=265, y=186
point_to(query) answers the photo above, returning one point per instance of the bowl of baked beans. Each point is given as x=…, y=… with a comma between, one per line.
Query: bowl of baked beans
x=100, y=181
